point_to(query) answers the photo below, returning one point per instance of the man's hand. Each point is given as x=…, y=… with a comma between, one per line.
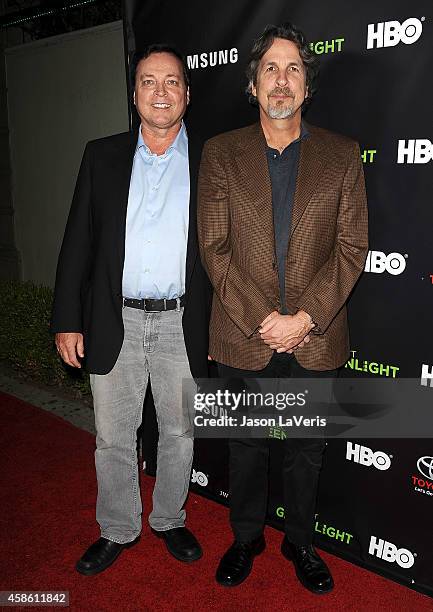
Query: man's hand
x=284, y=333
x=281, y=349
x=273, y=314
x=70, y=346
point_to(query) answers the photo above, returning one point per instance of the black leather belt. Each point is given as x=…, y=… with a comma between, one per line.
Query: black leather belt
x=149, y=305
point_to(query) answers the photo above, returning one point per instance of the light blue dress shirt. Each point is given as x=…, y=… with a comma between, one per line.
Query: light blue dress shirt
x=157, y=222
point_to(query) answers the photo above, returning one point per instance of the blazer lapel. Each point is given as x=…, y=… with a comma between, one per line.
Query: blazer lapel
x=194, y=155
x=311, y=164
x=253, y=167
x=124, y=170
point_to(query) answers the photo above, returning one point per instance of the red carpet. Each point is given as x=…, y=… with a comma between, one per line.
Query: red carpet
x=48, y=495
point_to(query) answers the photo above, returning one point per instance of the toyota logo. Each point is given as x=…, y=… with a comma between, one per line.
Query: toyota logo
x=425, y=466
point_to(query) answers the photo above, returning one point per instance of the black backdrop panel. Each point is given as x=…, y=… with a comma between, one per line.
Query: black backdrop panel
x=375, y=86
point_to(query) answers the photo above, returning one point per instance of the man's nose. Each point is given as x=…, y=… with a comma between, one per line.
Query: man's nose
x=160, y=89
x=281, y=78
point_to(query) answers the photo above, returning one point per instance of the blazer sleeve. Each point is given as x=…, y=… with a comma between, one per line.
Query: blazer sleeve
x=240, y=297
x=75, y=254
x=331, y=286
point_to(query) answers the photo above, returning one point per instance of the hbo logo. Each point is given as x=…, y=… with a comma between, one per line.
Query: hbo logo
x=390, y=33
x=389, y=552
x=365, y=456
x=415, y=151
x=378, y=262
x=200, y=478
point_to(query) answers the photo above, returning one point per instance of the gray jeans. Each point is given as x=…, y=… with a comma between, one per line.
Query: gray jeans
x=153, y=347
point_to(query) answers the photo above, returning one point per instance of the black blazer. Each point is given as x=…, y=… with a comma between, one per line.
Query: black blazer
x=88, y=289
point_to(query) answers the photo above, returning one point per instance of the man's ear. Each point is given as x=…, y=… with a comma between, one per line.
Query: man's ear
x=253, y=89
x=187, y=95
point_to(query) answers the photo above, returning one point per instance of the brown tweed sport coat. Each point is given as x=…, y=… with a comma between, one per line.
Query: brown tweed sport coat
x=327, y=248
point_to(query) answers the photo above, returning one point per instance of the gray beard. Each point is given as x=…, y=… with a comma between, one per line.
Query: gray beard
x=280, y=112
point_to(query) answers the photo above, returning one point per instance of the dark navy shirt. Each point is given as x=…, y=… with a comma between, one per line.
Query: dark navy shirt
x=283, y=170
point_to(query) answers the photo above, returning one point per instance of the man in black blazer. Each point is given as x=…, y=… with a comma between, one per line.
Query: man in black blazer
x=133, y=301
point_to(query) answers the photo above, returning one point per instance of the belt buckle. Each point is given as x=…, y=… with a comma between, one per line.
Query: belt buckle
x=144, y=305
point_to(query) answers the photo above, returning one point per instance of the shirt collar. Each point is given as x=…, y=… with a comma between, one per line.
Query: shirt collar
x=180, y=143
x=303, y=134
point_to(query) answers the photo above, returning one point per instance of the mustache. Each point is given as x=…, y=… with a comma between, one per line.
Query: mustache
x=281, y=91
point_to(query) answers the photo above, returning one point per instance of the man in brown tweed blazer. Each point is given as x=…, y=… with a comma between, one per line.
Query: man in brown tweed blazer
x=282, y=223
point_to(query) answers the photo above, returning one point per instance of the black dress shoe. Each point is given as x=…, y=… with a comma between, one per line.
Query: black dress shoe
x=312, y=572
x=100, y=555
x=181, y=543
x=237, y=562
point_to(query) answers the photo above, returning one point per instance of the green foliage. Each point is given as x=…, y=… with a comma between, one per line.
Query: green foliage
x=26, y=343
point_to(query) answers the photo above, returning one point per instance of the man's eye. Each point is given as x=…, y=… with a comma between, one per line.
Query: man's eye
x=148, y=82
x=295, y=68
x=172, y=82
x=270, y=68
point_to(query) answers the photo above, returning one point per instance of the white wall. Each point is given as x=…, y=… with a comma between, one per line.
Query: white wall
x=62, y=92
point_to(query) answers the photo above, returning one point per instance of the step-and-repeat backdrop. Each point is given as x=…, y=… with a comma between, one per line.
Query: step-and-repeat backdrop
x=376, y=496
